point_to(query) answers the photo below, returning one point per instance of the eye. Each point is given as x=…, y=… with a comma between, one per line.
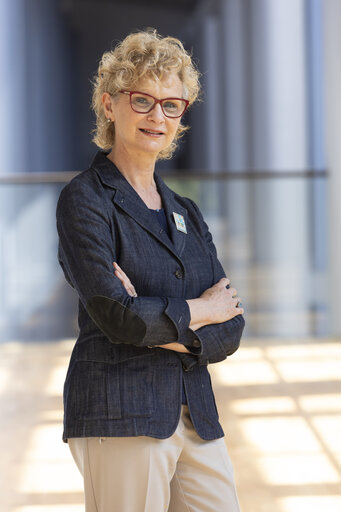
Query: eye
x=170, y=105
x=142, y=101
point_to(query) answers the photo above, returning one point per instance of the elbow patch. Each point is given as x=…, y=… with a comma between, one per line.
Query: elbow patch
x=117, y=322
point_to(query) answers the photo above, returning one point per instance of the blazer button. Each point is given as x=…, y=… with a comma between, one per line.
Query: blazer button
x=187, y=369
x=179, y=273
x=196, y=343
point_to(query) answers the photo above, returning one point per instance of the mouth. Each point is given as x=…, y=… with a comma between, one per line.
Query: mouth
x=151, y=133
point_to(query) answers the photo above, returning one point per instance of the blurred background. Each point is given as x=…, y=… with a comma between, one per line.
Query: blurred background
x=262, y=159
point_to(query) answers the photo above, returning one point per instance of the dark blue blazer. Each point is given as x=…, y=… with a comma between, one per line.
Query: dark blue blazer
x=117, y=383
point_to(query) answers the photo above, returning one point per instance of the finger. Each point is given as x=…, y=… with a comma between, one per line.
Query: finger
x=130, y=290
x=118, y=268
x=121, y=273
x=223, y=282
x=122, y=276
x=119, y=276
x=126, y=283
x=117, y=271
x=133, y=291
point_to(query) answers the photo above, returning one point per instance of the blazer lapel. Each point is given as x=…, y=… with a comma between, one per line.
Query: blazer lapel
x=127, y=199
x=172, y=206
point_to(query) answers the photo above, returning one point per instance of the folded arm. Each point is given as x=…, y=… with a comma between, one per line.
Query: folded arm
x=216, y=323
x=86, y=253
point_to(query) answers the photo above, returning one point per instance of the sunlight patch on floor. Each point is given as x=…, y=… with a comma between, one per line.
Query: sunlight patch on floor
x=278, y=404
x=4, y=379
x=311, y=504
x=297, y=470
x=47, y=466
x=240, y=373
x=319, y=403
x=312, y=370
x=281, y=435
x=50, y=508
x=285, y=435
x=56, y=380
x=329, y=429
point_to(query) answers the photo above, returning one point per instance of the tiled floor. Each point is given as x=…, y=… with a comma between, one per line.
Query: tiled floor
x=279, y=403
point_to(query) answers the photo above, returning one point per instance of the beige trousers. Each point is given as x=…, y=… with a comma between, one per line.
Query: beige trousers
x=142, y=474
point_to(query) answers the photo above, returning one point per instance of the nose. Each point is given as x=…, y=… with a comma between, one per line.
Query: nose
x=156, y=113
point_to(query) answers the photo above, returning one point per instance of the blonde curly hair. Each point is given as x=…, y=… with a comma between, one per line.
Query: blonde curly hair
x=143, y=54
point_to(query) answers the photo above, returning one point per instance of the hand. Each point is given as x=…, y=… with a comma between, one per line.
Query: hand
x=221, y=302
x=124, y=280
x=214, y=306
x=176, y=347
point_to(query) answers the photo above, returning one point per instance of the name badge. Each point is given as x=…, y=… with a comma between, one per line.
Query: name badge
x=180, y=222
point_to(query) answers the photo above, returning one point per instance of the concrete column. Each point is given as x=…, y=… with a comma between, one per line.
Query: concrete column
x=235, y=125
x=235, y=75
x=207, y=136
x=38, y=105
x=279, y=207
x=13, y=96
x=318, y=214
x=38, y=100
x=51, y=90
x=332, y=41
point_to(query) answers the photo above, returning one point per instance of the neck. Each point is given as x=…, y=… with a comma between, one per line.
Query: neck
x=138, y=169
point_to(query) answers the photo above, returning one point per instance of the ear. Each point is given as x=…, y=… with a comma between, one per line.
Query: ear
x=108, y=105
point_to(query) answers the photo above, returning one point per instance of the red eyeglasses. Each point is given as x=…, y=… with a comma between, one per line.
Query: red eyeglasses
x=143, y=103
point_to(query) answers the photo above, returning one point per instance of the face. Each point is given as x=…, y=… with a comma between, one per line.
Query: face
x=146, y=133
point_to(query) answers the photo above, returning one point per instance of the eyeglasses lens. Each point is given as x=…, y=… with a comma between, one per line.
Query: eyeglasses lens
x=172, y=108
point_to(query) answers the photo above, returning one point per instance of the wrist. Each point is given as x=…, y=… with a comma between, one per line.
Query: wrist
x=198, y=311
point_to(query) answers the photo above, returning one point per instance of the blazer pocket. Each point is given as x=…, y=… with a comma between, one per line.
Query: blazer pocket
x=137, y=378
x=94, y=391
x=99, y=390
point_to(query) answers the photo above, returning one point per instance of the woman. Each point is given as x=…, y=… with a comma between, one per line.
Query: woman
x=155, y=305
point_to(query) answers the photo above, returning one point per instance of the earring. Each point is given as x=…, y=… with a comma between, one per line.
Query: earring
x=108, y=120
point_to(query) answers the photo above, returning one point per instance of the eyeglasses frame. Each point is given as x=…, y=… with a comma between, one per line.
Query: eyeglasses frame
x=156, y=101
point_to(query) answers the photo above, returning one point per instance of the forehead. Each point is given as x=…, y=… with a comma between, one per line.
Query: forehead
x=169, y=85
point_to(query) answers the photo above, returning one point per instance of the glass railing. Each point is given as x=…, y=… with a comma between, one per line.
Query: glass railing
x=269, y=230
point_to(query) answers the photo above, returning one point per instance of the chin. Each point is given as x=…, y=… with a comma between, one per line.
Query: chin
x=152, y=148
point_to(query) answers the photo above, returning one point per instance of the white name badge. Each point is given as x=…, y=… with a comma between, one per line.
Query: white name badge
x=180, y=222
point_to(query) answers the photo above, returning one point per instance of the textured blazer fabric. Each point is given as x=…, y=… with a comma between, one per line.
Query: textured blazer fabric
x=117, y=383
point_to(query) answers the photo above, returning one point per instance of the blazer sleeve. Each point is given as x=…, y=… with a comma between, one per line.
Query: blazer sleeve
x=217, y=341
x=86, y=253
